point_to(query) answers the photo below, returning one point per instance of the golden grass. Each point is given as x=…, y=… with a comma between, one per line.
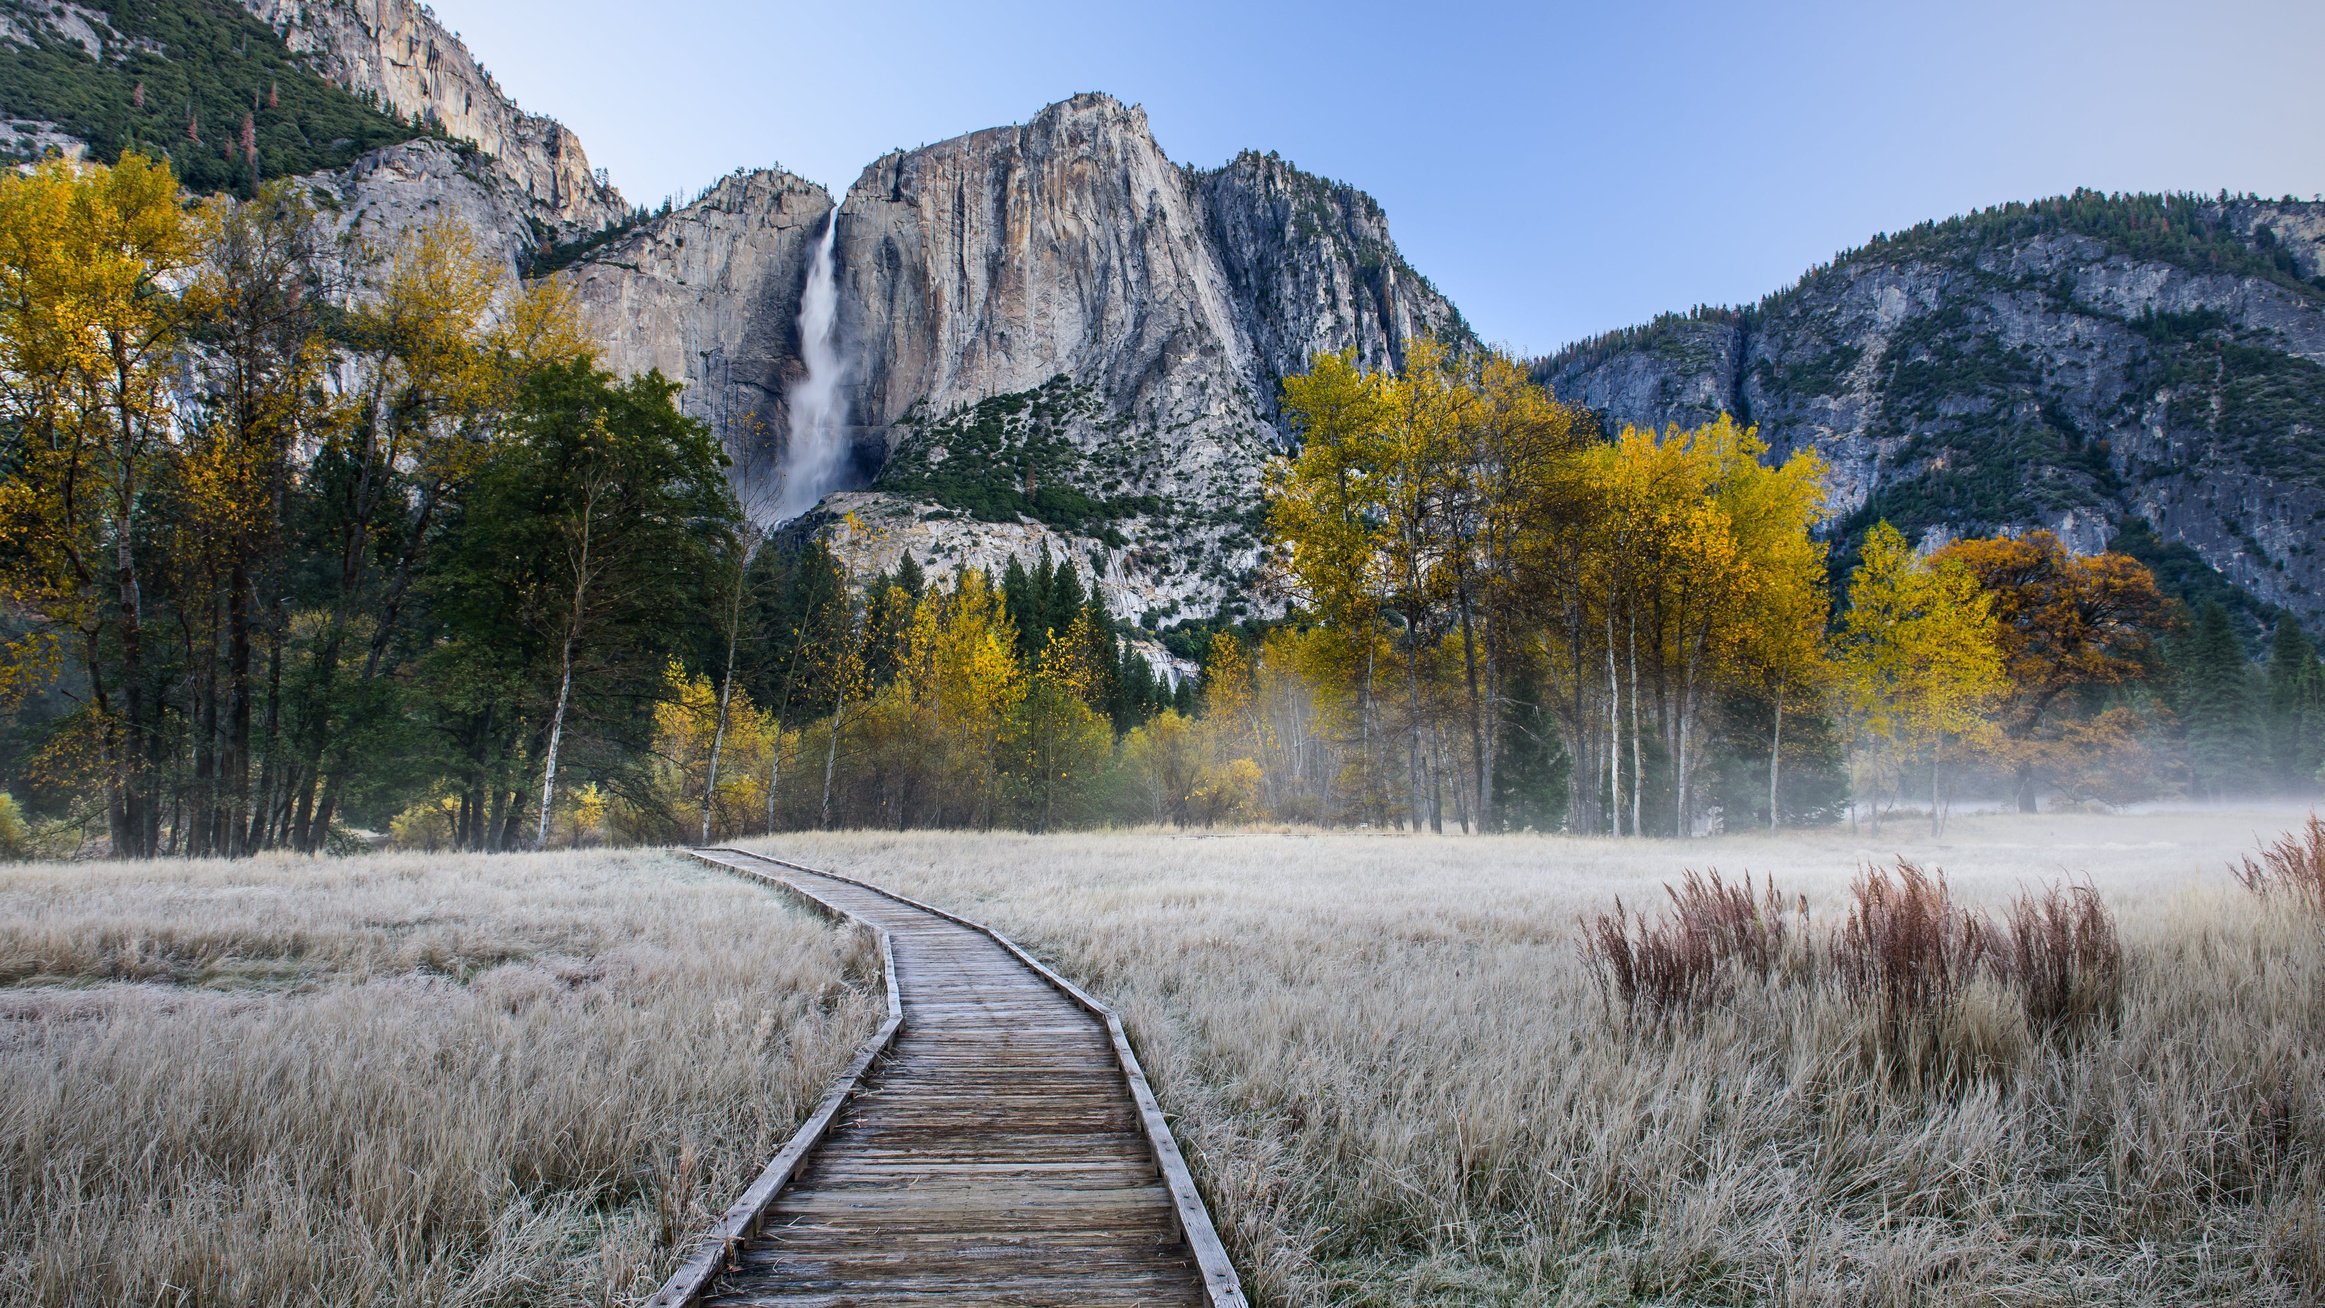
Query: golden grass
x=1400, y=1086
x=400, y=1079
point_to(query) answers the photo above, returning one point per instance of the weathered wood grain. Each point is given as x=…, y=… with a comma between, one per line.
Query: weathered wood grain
x=996, y=1143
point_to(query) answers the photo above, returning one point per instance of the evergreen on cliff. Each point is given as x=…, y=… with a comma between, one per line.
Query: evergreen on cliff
x=201, y=83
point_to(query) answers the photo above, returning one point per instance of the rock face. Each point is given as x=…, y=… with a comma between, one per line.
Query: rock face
x=1056, y=335
x=396, y=52
x=2072, y=364
x=387, y=191
x=709, y=295
x=1312, y=268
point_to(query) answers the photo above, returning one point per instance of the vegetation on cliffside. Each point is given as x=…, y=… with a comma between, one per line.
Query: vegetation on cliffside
x=199, y=82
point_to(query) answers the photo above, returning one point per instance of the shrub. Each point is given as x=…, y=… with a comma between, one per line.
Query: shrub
x=1227, y=793
x=2293, y=867
x=1692, y=958
x=426, y=825
x=15, y=836
x=2063, y=956
x=1906, y=947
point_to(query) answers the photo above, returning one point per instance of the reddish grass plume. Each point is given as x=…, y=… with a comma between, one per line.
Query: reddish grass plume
x=1906, y=947
x=2063, y=955
x=1692, y=957
x=2290, y=867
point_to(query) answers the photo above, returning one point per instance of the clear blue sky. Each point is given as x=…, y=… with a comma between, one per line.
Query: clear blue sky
x=1557, y=169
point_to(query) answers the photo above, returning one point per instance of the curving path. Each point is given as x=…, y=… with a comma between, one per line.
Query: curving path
x=996, y=1143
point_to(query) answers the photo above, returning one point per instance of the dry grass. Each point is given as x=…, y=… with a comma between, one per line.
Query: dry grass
x=2291, y=867
x=2064, y=953
x=1907, y=950
x=1400, y=1085
x=400, y=1079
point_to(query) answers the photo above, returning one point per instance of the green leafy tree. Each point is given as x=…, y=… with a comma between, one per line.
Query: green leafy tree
x=584, y=549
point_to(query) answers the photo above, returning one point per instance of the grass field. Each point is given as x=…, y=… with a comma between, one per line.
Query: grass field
x=1400, y=1085
x=396, y=1079
x=450, y=1080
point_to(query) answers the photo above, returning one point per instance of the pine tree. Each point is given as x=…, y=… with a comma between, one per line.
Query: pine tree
x=1016, y=597
x=2296, y=709
x=1066, y=598
x=909, y=578
x=2213, y=690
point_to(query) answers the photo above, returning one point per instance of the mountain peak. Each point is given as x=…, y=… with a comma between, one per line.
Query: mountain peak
x=398, y=54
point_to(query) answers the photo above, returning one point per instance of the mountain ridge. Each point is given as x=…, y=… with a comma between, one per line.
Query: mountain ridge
x=2075, y=364
x=397, y=51
x=2144, y=368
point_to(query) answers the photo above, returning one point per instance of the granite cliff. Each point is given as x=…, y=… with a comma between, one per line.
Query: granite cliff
x=385, y=113
x=1057, y=336
x=2097, y=365
x=395, y=53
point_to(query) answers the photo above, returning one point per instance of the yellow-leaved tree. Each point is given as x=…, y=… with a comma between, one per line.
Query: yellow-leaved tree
x=1918, y=657
x=1062, y=746
x=959, y=674
x=1321, y=510
x=689, y=741
x=89, y=326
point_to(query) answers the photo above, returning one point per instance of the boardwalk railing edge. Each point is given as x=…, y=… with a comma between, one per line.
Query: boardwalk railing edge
x=741, y=1219
x=1220, y=1282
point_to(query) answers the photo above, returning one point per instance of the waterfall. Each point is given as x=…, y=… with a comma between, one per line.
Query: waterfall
x=816, y=457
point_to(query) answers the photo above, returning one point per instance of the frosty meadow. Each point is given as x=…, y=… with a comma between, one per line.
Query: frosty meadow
x=1385, y=1057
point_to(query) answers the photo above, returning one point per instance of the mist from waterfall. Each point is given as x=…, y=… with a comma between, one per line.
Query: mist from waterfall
x=817, y=455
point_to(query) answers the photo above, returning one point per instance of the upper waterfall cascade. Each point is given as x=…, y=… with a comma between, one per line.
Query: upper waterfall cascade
x=816, y=456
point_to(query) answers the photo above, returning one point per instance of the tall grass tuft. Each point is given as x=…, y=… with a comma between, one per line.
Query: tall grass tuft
x=1906, y=947
x=1691, y=958
x=2291, y=867
x=2063, y=955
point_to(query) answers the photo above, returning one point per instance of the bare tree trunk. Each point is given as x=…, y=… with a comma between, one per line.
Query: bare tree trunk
x=1477, y=753
x=130, y=835
x=581, y=577
x=718, y=740
x=1681, y=827
x=1413, y=753
x=1683, y=757
x=1638, y=759
x=1614, y=736
x=1489, y=813
x=1435, y=762
x=1937, y=749
x=1369, y=706
x=236, y=800
x=1775, y=758
x=831, y=758
x=556, y=742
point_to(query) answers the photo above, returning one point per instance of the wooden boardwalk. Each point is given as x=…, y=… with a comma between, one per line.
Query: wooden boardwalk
x=996, y=1143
